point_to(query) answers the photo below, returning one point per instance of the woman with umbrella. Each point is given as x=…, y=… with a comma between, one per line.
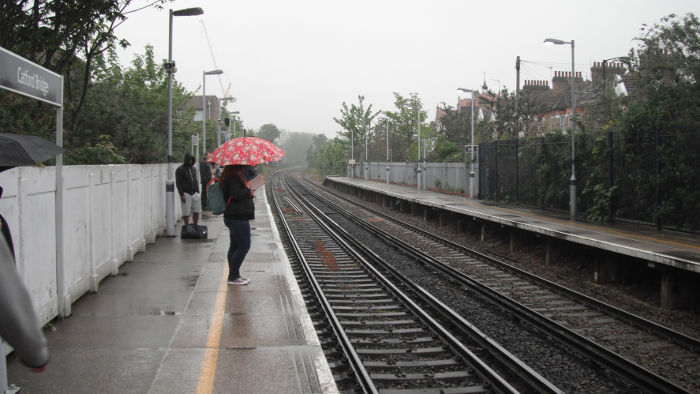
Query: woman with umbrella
x=237, y=155
x=240, y=209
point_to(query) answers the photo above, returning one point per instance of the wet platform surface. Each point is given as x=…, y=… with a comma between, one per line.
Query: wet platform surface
x=169, y=323
x=671, y=248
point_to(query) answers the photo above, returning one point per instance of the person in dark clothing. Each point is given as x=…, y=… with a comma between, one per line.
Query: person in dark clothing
x=5, y=229
x=19, y=325
x=187, y=186
x=240, y=209
x=205, y=173
x=250, y=172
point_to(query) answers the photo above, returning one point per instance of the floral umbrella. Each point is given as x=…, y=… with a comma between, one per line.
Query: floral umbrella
x=246, y=151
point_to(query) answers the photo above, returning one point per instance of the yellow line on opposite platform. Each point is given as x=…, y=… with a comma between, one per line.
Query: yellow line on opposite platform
x=208, y=371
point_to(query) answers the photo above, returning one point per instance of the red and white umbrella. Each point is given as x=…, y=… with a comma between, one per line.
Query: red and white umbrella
x=246, y=151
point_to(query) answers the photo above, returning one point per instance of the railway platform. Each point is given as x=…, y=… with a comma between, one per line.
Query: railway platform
x=169, y=323
x=670, y=253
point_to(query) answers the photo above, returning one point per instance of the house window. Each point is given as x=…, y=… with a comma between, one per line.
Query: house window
x=563, y=122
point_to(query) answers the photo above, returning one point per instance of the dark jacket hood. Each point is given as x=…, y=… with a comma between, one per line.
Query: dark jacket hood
x=189, y=156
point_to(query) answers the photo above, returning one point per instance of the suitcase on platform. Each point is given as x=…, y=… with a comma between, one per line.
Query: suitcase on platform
x=193, y=231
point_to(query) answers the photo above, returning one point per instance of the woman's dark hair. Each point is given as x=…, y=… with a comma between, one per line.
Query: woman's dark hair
x=233, y=170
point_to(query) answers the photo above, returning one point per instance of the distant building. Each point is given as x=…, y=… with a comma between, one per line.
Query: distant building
x=213, y=110
x=557, y=100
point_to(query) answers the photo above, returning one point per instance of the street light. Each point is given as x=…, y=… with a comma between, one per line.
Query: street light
x=572, y=182
x=366, y=151
x=218, y=131
x=419, y=180
x=170, y=69
x=352, y=152
x=233, y=120
x=387, y=149
x=204, y=109
x=471, y=162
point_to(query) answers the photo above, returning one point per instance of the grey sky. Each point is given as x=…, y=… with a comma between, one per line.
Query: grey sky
x=292, y=63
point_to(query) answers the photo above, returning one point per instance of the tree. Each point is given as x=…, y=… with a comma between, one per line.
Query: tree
x=295, y=146
x=318, y=143
x=67, y=37
x=455, y=125
x=403, y=142
x=127, y=109
x=662, y=122
x=355, y=121
x=268, y=132
x=331, y=159
x=514, y=116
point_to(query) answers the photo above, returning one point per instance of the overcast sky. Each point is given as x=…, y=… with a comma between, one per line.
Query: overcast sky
x=293, y=63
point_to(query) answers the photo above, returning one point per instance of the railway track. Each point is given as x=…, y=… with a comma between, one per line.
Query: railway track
x=388, y=341
x=623, y=338
x=643, y=379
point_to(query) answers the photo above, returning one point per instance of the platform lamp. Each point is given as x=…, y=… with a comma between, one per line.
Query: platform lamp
x=218, y=132
x=471, y=161
x=204, y=108
x=572, y=182
x=233, y=120
x=170, y=69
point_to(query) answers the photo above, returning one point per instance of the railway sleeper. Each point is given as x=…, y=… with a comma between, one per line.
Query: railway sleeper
x=387, y=322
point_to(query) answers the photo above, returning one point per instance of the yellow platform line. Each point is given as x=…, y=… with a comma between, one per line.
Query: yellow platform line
x=207, y=373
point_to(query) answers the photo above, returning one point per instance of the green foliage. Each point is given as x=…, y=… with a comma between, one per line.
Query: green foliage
x=332, y=158
x=130, y=105
x=355, y=121
x=448, y=151
x=455, y=126
x=102, y=152
x=318, y=143
x=268, y=132
x=403, y=143
x=295, y=146
x=67, y=37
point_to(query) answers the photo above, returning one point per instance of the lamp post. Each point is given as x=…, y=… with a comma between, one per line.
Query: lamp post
x=420, y=176
x=204, y=109
x=170, y=68
x=572, y=182
x=388, y=171
x=366, y=151
x=218, y=132
x=471, y=148
x=233, y=120
x=352, y=152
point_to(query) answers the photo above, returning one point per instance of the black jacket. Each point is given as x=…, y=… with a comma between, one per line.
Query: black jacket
x=186, y=177
x=240, y=206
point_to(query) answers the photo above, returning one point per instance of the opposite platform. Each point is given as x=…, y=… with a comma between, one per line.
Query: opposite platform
x=169, y=323
x=663, y=247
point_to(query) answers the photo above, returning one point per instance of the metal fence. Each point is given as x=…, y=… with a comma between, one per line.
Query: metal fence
x=650, y=179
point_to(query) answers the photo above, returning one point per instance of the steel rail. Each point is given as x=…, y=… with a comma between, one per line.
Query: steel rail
x=485, y=372
x=632, y=319
x=362, y=376
x=634, y=372
x=536, y=381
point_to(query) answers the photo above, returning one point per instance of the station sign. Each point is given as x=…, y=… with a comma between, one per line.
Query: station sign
x=351, y=162
x=24, y=77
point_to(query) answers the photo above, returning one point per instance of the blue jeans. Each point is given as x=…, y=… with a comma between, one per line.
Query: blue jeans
x=239, y=231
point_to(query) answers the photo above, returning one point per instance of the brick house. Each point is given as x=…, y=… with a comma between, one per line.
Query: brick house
x=557, y=100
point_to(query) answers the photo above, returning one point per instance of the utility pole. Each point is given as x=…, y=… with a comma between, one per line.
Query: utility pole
x=517, y=81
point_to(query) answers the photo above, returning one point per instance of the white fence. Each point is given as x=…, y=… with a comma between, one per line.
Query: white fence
x=110, y=212
x=452, y=177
